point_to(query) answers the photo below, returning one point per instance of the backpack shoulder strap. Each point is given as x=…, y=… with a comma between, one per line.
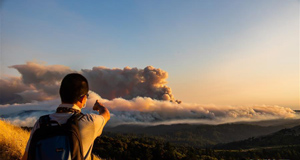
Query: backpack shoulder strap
x=44, y=120
x=76, y=146
x=75, y=117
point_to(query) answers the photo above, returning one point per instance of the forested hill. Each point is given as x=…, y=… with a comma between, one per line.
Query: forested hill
x=200, y=135
x=284, y=145
x=284, y=137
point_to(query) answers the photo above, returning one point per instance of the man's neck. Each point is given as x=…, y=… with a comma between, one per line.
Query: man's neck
x=78, y=104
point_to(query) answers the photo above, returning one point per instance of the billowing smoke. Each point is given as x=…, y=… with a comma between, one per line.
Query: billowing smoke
x=144, y=110
x=9, y=89
x=41, y=82
x=37, y=83
x=129, y=83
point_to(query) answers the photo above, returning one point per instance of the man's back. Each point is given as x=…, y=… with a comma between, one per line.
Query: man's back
x=90, y=127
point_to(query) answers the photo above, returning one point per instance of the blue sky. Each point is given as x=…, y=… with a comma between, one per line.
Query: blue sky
x=234, y=52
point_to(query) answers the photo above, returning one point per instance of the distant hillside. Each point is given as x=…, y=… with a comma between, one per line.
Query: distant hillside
x=13, y=141
x=128, y=147
x=199, y=135
x=286, y=123
x=284, y=137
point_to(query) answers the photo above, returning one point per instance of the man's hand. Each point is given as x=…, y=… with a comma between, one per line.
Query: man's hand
x=98, y=106
x=102, y=110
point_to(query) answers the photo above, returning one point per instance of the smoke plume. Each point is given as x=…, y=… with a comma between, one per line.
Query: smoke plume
x=38, y=82
x=129, y=83
x=41, y=82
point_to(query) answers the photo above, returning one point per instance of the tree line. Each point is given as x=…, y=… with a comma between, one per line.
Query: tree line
x=132, y=147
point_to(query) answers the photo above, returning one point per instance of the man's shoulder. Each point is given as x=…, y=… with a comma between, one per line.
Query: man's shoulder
x=92, y=117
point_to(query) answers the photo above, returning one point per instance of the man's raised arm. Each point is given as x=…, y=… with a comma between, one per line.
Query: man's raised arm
x=102, y=110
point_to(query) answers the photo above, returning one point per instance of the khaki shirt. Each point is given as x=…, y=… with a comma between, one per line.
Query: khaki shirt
x=90, y=127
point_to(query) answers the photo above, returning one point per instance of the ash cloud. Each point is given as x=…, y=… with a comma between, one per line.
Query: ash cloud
x=39, y=82
x=9, y=88
x=43, y=79
x=129, y=83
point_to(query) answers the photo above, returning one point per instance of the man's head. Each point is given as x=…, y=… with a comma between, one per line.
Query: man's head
x=73, y=87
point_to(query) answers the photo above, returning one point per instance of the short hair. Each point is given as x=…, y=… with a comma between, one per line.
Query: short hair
x=73, y=87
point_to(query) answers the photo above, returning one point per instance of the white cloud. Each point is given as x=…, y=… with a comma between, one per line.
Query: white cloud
x=149, y=111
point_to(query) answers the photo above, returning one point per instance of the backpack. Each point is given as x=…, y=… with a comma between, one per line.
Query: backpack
x=54, y=141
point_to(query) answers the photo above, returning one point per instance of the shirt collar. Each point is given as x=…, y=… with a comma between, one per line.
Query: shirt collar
x=74, y=106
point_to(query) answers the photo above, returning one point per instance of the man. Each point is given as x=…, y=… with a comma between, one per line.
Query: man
x=74, y=93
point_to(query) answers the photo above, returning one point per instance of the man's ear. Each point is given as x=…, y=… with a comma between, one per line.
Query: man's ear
x=81, y=99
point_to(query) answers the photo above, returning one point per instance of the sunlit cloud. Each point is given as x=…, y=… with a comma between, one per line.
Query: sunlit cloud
x=144, y=110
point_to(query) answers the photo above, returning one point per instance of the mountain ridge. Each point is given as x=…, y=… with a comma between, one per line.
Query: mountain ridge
x=283, y=137
x=203, y=135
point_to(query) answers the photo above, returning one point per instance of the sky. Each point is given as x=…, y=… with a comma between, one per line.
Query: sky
x=215, y=52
